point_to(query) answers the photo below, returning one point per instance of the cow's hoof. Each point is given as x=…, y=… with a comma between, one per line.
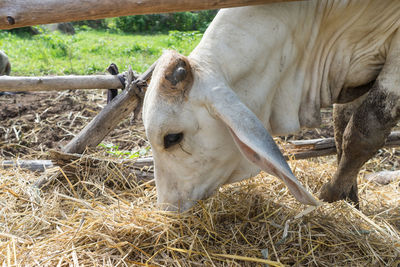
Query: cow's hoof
x=330, y=193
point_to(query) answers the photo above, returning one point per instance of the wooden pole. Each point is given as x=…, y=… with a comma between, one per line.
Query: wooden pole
x=305, y=149
x=33, y=165
x=20, y=13
x=58, y=83
x=108, y=118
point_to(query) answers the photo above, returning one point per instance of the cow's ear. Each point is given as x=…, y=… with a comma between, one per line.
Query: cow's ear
x=254, y=141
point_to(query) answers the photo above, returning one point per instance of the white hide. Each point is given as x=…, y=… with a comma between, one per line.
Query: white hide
x=287, y=60
x=284, y=61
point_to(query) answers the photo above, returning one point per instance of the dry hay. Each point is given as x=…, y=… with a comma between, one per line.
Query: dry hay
x=102, y=217
x=97, y=214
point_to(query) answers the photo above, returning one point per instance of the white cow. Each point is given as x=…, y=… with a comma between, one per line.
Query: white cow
x=269, y=69
x=5, y=66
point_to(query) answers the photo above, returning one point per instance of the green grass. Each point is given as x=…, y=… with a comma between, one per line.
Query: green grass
x=89, y=51
x=115, y=151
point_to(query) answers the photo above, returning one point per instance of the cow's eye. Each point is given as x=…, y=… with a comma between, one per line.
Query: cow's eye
x=172, y=139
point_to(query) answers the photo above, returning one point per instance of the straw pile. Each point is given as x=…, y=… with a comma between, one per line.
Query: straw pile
x=102, y=217
x=87, y=214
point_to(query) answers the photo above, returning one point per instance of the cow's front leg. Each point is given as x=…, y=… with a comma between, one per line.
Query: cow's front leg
x=342, y=114
x=367, y=128
x=364, y=134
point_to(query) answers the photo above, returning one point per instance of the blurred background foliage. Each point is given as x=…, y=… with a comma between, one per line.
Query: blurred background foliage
x=153, y=23
x=92, y=45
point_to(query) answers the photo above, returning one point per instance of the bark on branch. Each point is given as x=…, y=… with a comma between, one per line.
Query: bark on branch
x=111, y=115
x=58, y=83
x=20, y=13
x=304, y=149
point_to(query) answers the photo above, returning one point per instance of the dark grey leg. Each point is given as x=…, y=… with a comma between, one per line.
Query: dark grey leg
x=365, y=133
x=341, y=116
x=368, y=128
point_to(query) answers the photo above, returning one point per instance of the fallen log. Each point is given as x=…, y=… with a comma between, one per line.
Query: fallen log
x=20, y=13
x=109, y=117
x=32, y=165
x=58, y=83
x=307, y=154
x=304, y=149
x=383, y=177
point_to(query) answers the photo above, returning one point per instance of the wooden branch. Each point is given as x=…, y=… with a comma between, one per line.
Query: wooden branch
x=19, y=13
x=33, y=165
x=112, y=114
x=393, y=139
x=304, y=149
x=58, y=83
x=307, y=154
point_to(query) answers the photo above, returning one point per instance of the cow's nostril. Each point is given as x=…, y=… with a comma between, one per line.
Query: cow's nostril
x=172, y=139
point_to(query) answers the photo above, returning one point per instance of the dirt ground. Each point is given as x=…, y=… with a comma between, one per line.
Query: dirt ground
x=33, y=123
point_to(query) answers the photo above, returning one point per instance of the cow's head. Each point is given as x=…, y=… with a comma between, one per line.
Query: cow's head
x=200, y=133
